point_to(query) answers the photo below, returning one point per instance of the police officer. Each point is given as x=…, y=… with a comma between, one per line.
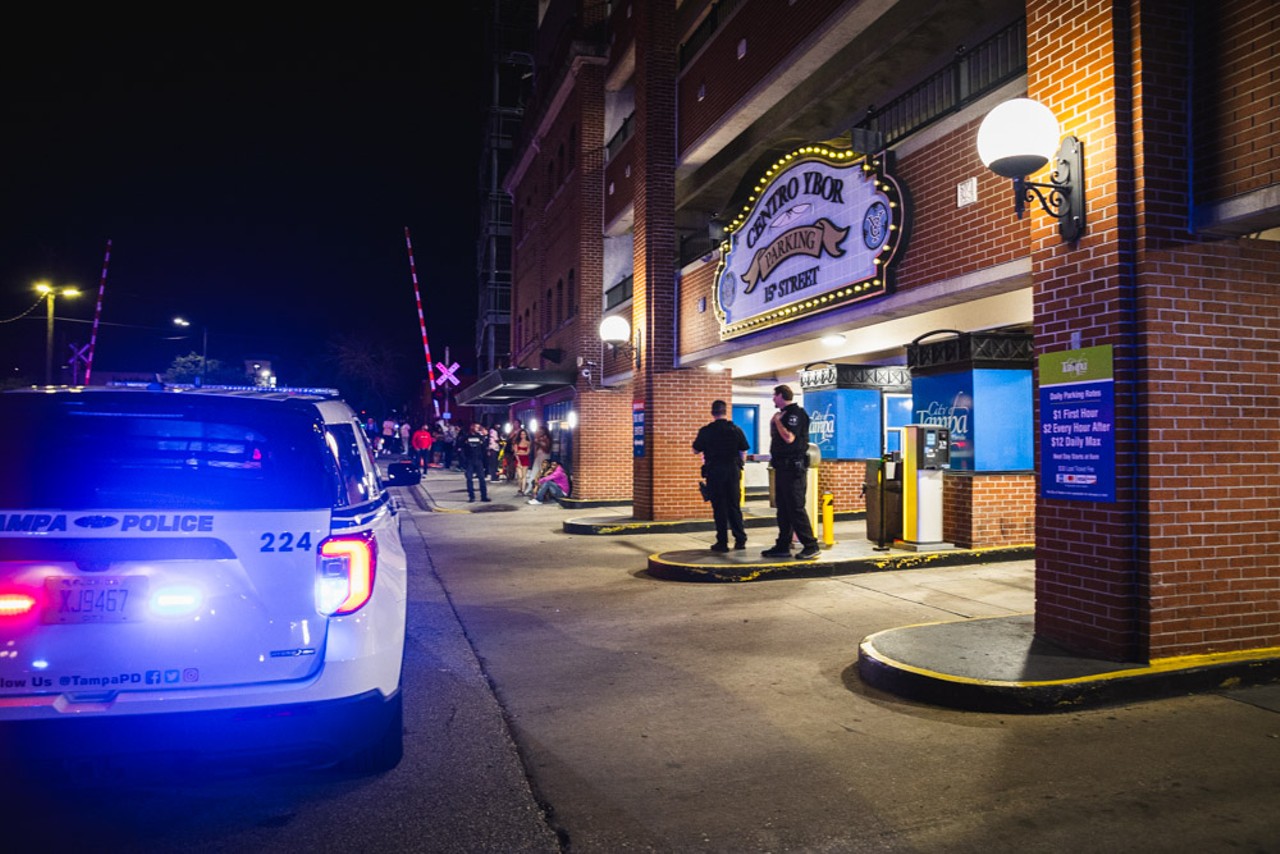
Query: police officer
x=789, y=452
x=473, y=449
x=722, y=444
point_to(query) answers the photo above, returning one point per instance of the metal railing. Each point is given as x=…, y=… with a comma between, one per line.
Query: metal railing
x=972, y=74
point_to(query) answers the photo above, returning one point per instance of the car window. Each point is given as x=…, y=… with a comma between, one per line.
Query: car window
x=91, y=451
x=355, y=466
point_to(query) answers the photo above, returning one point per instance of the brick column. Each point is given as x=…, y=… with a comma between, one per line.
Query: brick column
x=1180, y=563
x=1087, y=583
x=602, y=448
x=676, y=402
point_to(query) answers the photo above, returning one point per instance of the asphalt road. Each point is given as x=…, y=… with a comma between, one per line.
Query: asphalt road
x=559, y=699
x=666, y=716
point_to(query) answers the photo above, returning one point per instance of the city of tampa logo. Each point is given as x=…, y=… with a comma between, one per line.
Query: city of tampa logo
x=1075, y=367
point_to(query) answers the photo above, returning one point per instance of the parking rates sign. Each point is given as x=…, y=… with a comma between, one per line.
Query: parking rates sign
x=1077, y=425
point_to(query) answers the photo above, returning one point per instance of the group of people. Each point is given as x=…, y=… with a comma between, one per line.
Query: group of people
x=485, y=456
x=519, y=457
x=723, y=447
x=428, y=445
x=526, y=457
x=480, y=451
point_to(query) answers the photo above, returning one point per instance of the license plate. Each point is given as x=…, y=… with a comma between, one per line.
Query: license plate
x=97, y=599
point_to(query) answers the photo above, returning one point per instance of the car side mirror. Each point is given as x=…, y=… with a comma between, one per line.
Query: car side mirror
x=403, y=474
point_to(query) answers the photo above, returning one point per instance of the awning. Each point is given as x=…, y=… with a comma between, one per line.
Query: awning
x=506, y=386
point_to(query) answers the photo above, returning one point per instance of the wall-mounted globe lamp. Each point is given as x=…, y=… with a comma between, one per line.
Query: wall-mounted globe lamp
x=616, y=332
x=1019, y=138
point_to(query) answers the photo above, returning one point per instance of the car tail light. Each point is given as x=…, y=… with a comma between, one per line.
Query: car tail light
x=345, y=572
x=16, y=604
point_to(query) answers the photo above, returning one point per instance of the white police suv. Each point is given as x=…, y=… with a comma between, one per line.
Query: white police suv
x=197, y=570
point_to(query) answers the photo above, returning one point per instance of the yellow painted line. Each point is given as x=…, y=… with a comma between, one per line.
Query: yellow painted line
x=1182, y=662
x=1163, y=665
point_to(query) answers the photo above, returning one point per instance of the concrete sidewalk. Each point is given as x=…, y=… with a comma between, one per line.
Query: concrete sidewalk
x=993, y=664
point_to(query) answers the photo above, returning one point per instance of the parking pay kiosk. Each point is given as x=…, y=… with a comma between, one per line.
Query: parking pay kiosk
x=926, y=453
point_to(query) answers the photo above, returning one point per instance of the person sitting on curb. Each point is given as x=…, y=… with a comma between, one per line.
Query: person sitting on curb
x=554, y=482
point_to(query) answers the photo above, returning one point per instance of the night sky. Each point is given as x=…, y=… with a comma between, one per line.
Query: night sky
x=254, y=176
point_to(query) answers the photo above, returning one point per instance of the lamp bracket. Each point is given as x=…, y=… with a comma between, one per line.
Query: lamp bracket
x=630, y=349
x=1063, y=196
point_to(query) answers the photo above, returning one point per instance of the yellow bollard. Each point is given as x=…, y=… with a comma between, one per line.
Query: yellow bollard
x=828, y=520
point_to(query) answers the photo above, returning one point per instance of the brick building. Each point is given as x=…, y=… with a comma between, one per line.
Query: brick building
x=772, y=191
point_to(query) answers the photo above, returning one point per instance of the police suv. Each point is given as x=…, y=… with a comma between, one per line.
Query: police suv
x=197, y=570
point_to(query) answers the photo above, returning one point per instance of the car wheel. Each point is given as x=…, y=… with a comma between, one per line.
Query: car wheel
x=385, y=753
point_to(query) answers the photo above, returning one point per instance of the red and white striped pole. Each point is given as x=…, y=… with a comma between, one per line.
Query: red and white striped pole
x=97, y=314
x=422, y=323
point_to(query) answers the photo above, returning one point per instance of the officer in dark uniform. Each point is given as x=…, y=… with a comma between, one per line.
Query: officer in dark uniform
x=473, y=448
x=722, y=444
x=789, y=452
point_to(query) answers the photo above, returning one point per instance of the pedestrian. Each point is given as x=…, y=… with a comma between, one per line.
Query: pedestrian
x=495, y=446
x=553, y=483
x=388, y=435
x=405, y=433
x=445, y=443
x=723, y=446
x=421, y=441
x=789, y=459
x=472, y=449
x=520, y=445
x=509, y=452
x=541, y=453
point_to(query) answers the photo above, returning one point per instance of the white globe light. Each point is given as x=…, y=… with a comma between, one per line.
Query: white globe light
x=615, y=330
x=1018, y=138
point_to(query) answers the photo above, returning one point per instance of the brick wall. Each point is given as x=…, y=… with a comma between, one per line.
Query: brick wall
x=1237, y=109
x=698, y=329
x=946, y=241
x=1212, y=448
x=618, y=189
x=844, y=480
x=1212, y=385
x=589, y=281
x=602, y=445
x=1182, y=563
x=622, y=30
x=985, y=510
x=717, y=80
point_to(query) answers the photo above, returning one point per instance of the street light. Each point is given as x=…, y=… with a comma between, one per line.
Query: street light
x=49, y=292
x=204, y=346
